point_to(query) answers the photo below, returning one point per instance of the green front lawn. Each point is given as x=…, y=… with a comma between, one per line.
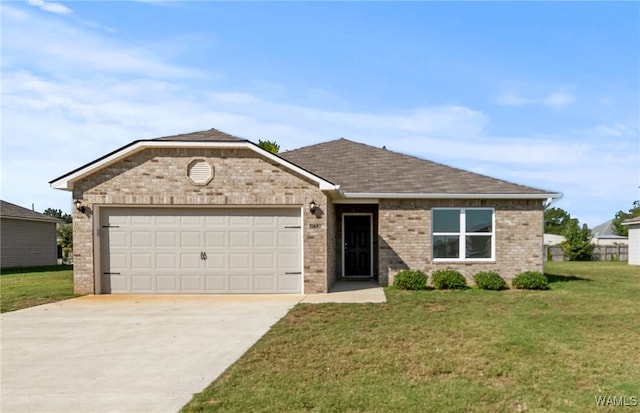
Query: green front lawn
x=458, y=351
x=26, y=287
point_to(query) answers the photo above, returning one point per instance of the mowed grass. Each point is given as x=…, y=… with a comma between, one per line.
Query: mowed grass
x=457, y=351
x=27, y=287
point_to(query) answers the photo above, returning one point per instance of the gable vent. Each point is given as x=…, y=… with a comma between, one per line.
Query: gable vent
x=200, y=171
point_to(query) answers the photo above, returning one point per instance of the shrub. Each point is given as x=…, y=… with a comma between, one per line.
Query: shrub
x=530, y=280
x=448, y=280
x=489, y=280
x=410, y=280
x=577, y=245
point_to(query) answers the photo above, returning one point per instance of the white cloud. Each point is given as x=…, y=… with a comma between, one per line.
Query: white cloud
x=70, y=49
x=56, y=8
x=559, y=99
x=556, y=100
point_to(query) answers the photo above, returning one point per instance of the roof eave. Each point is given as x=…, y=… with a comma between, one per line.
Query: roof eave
x=66, y=182
x=404, y=195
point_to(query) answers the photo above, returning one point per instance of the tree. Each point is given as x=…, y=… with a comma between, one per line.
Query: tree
x=57, y=213
x=65, y=238
x=268, y=145
x=577, y=245
x=620, y=216
x=556, y=221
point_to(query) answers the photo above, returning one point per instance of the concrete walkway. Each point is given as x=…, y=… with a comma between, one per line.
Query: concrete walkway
x=128, y=353
x=349, y=292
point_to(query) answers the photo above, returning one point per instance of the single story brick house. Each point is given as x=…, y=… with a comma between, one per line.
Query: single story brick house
x=208, y=212
x=28, y=238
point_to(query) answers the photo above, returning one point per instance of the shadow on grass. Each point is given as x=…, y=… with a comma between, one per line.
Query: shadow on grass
x=47, y=268
x=556, y=278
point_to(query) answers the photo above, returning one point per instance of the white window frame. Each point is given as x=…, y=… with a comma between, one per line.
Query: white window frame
x=462, y=234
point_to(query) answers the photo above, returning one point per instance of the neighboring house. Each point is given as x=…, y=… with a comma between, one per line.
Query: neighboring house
x=605, y=234
x=28, y=238
x=634, y=240
x=553, y=239
x=208, y=212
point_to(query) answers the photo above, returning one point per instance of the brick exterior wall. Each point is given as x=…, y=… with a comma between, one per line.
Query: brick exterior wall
x=404, y=231
x=158, y=177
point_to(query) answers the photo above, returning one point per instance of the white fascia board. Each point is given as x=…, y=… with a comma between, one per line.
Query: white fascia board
x=66, y=182
x=356, y=195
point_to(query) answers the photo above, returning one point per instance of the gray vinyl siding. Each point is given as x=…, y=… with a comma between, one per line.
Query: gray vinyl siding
x=27, y=243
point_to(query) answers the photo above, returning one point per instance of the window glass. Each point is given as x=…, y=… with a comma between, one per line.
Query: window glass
x=478, y=220
x=446, y=220
x=478, y=246
x=446, y=246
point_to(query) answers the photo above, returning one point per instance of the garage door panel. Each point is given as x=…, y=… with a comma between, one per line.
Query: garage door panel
x=188, y=220
x=167, y=220
x=215, y=239
x=141, y=239
x=288, y=262
x=264, y=239
x=215, y=283
x=191, y=283
x=190, y=239
x=289, y=239
x=167, y=261
x=142, y=283
x=216, y=261
x=264, y=262
x=190, y=261
x=240, y=220
x=240, y=261
x=119, y=239
x=118, y=261
x=288, y=283
x=265, y=221
x=142, y=261
x=166, y=239
x=160, y=250
x=167, y=283
x=141, y=220
x=264, y=283
x=215, y=220
x=240, y=283
x=239, y=239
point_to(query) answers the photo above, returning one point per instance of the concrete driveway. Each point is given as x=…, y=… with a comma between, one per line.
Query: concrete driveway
x=126, y=353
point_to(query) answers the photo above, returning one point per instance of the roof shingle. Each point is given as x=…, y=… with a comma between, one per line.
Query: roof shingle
x=360, y=168
x=211, y=135
x=9, y=210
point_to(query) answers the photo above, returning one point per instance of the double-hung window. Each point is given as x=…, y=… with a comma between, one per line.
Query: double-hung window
x=463, y=234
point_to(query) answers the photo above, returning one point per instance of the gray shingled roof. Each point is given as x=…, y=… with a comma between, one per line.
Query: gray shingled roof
x=9, y=210
x=360, y=168
x=211, y=135
x=631, y=221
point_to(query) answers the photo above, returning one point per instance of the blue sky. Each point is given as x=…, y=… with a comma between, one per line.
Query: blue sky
x=544, y=94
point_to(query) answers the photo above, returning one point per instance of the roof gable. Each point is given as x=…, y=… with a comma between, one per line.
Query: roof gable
x=364, y=169
x=9, y=210
x=205, y=139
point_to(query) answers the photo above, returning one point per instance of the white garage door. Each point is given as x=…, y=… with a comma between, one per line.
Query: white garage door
x=162, y=250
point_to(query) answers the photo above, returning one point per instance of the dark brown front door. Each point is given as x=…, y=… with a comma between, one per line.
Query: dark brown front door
x=357, y=245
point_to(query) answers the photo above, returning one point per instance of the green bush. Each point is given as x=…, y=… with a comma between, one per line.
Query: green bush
x=530, y=280
x=410, y=280
x=448, y=280
x=489, y=280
